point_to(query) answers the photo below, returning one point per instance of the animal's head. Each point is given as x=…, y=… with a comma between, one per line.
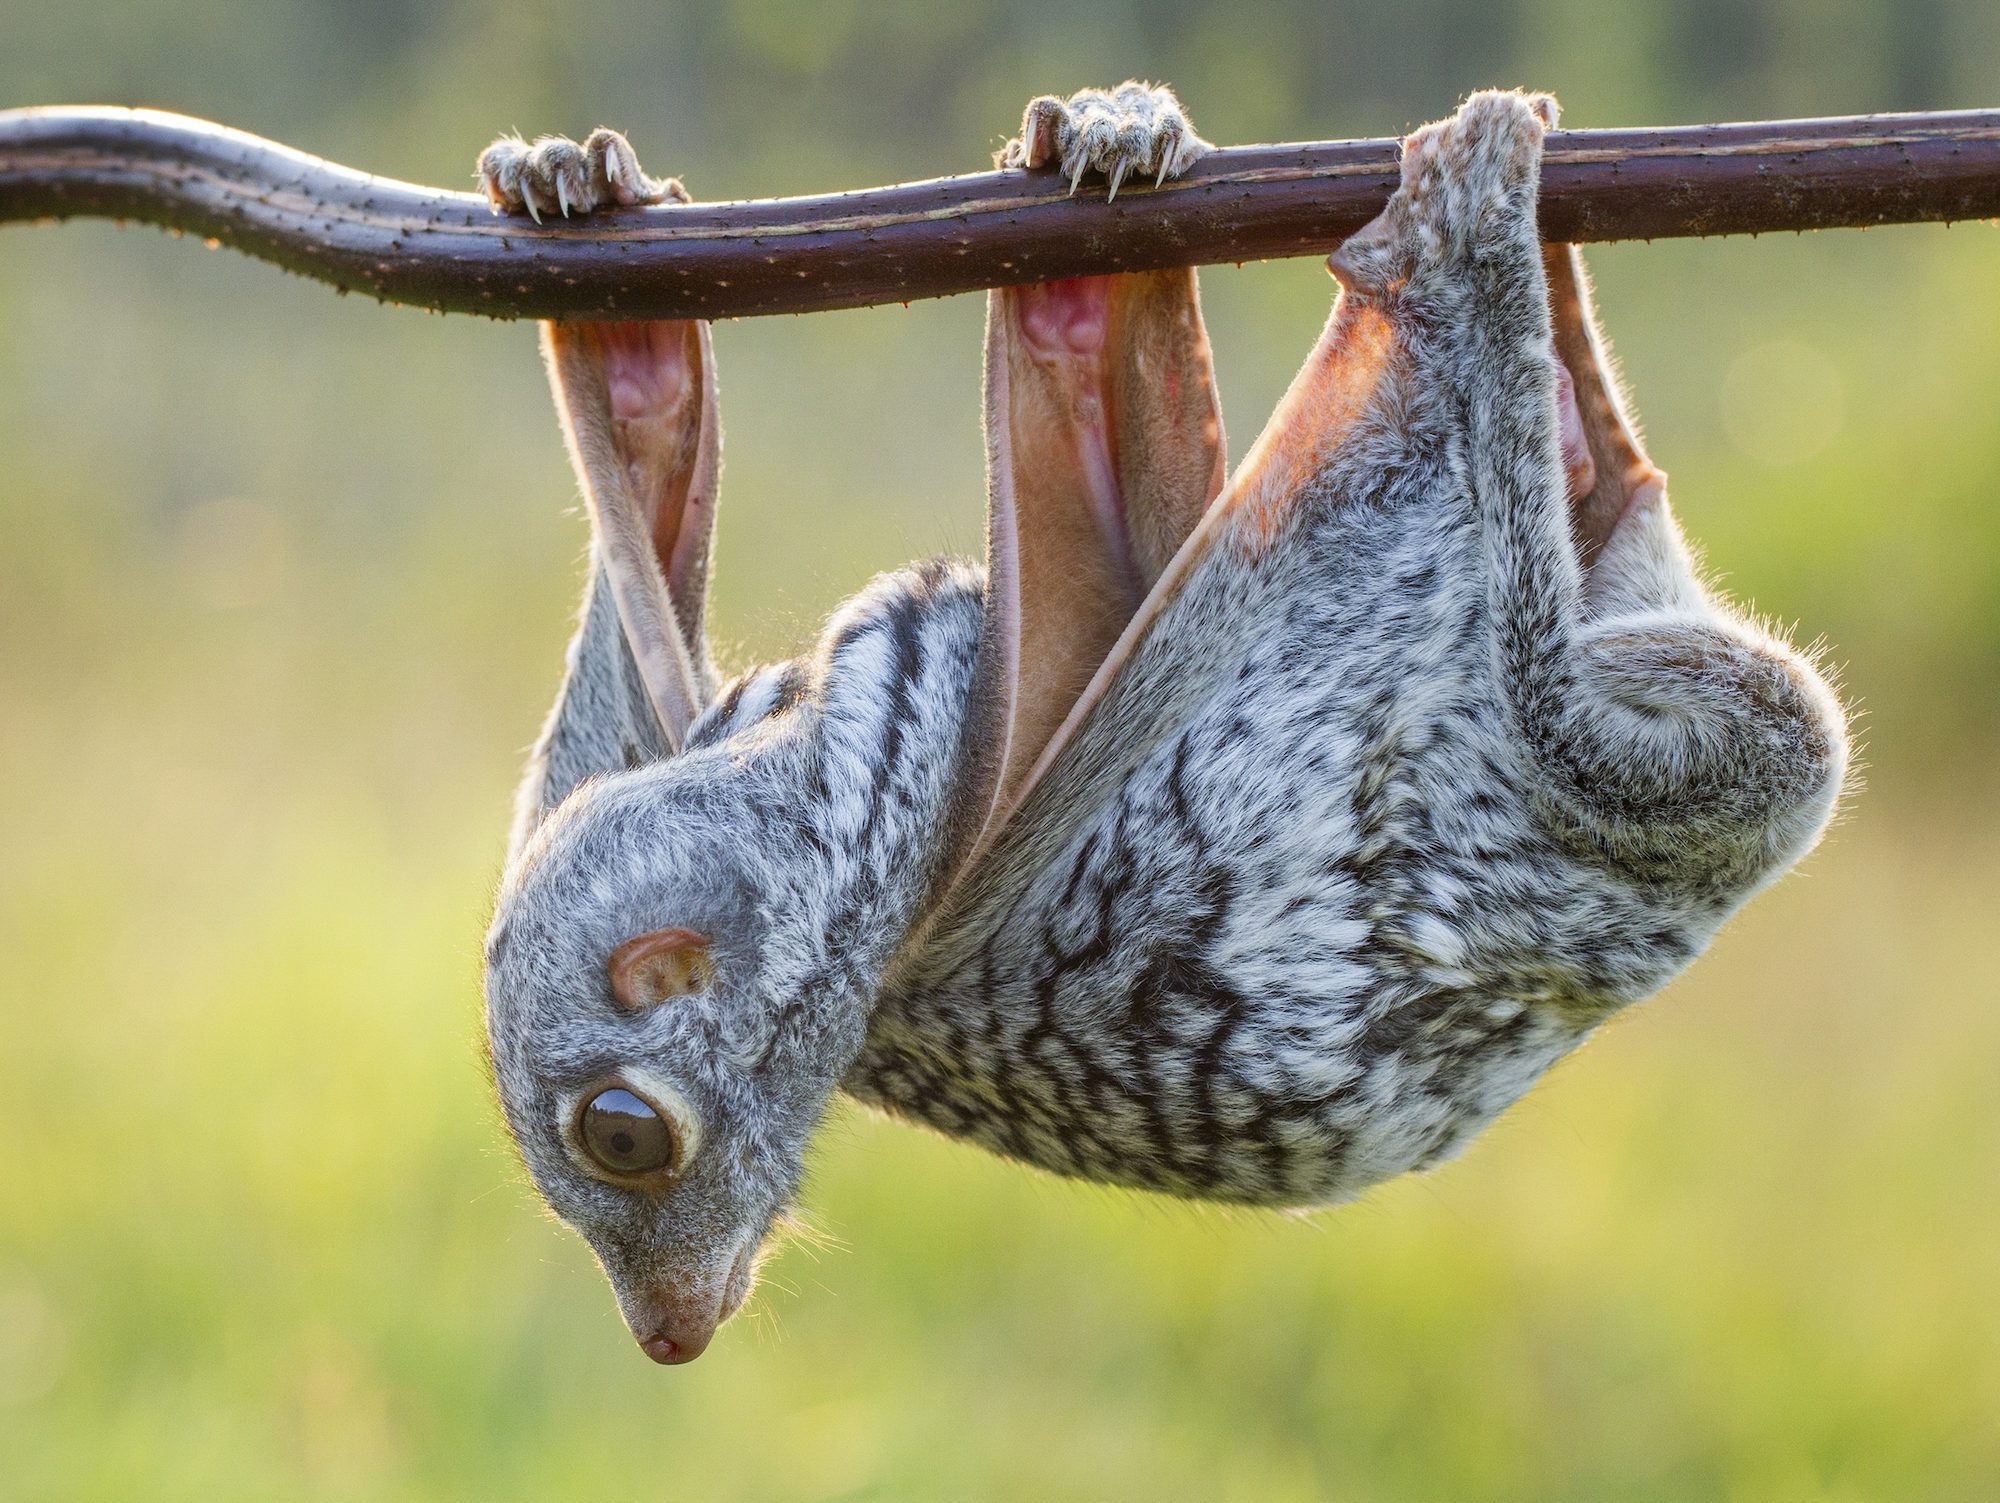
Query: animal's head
x=664, y=1037
x=663, y=1034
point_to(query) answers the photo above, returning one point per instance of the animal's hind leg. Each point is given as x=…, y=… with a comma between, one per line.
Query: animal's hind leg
x=1677, y=740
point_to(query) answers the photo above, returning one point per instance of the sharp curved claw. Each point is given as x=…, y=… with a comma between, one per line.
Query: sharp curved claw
x=1076, y=173
x=1117, y=175
x=562, y=197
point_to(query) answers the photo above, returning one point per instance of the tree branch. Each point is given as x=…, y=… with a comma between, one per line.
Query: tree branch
x=409, y=244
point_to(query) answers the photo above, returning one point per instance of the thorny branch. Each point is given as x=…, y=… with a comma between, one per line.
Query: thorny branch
x=409, y=244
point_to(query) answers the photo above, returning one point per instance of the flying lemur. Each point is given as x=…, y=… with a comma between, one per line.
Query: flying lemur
x=1249, y=838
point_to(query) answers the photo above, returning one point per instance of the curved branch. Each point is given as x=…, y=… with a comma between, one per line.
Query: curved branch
x=409, y=244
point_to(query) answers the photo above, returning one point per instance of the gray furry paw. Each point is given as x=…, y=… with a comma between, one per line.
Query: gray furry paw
x=1468, y=188
x=555, y=175
x=1489, y=152
x=1132, y=128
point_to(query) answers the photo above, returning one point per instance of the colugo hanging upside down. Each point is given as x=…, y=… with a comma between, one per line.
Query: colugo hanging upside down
x=1252, y=841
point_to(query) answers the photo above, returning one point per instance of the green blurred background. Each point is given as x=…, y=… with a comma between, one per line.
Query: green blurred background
x=284, y=581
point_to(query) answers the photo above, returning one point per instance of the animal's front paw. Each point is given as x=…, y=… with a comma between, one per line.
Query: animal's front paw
x=1132, y=128
x=554, y=175
x=1468, y=177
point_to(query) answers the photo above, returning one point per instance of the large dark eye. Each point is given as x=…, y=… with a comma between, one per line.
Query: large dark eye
x=625, y=1135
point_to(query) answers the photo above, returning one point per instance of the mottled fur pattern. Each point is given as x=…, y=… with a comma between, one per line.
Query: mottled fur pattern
x=1387, y=813
x=1393, y=802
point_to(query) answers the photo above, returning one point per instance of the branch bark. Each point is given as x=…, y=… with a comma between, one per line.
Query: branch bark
x=409, y=244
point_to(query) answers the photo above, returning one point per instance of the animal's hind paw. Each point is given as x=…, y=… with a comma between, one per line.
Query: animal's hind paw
x=1134, y=128
x=1457, y=171
x=555, y=175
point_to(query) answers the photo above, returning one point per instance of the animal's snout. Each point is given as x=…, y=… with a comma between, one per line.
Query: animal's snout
x=675, y=1324
x=673, y=1328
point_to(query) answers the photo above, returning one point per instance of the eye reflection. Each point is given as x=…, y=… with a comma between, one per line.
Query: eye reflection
x=625, y=1135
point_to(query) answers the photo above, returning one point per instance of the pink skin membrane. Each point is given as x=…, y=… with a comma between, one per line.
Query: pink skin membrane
x=645, y=368
x=1067, y=323
x=1580, y=468
x=648, y=383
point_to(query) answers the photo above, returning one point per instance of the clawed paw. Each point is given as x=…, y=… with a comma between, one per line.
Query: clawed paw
x=555, y=175
x=1134, y=128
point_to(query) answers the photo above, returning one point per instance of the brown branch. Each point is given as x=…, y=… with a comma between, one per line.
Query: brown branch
x=409, y=244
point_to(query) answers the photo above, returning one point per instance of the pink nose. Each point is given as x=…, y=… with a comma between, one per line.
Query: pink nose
x=662, y=1349
x=672, y=1349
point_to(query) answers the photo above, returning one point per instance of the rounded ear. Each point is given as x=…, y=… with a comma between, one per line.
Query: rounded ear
x=650, y=968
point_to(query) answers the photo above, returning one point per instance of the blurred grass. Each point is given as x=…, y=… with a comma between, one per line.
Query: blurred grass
x=283, y=588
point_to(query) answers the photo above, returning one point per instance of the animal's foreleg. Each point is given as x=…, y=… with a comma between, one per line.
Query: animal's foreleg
x=638, y=407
